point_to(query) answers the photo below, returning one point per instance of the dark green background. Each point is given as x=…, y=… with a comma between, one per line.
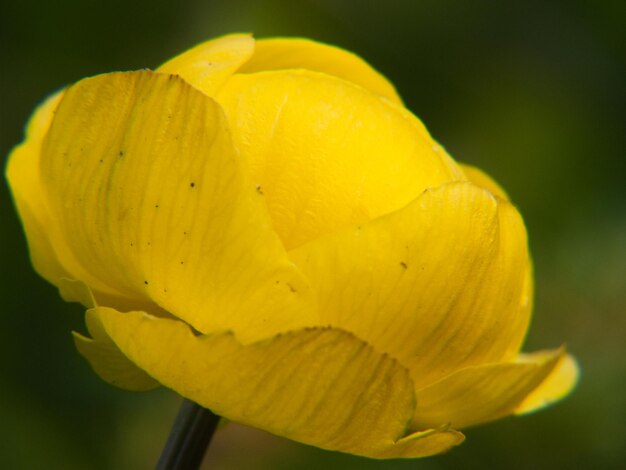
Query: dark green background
x=533, y=92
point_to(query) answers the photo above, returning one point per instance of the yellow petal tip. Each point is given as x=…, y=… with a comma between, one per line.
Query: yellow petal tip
x=560, y=383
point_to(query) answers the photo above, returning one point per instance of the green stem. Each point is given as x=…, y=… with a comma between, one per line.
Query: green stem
x=189, y=439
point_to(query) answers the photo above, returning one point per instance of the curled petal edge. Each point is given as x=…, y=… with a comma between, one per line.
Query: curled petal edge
x=561, y=381
x=319, y=386
x=479, y=394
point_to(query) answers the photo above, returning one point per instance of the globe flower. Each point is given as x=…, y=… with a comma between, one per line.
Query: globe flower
x=264, y=228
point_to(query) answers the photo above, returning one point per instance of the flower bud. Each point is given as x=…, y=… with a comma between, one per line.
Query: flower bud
x=264, y=228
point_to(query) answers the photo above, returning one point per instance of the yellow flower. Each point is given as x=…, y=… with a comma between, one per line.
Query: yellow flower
x=265, y=229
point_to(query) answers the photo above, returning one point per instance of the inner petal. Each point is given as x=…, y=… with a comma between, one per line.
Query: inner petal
x=326, y=153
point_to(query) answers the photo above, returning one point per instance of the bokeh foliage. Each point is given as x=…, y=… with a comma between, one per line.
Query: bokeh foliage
x=534, y=92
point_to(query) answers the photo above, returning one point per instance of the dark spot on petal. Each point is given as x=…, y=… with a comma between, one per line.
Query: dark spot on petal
x=192, y=184
x=259, y=189
x=182, y=262
x=145, y=282
x=121, y=153
x=156, y=206
x=404, y=265
x=101, y=161
x=291, y=288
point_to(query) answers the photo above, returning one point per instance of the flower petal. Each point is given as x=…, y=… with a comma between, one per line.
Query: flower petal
x=440, y=284
x=209, y=64
x=72, y=290
x=556, y=386
x=50, y=255
x=327, y=154
x=142, y=177
x=108, y=361
x=297, y=53
x=483, y=393
x=318, y=386
x=483, y=180
x=22, y=173
x=100, y=351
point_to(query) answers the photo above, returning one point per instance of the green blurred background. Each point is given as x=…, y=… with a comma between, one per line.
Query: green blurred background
x=533, y=92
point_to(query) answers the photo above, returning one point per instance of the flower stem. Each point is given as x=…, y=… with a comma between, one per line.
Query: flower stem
x=189, y=439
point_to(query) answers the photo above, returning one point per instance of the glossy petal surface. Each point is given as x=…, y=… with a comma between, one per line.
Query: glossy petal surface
x=295, y=53
x=320, y=386
x=482, y=393
x=325, y=153
x=424, y=283
x=144, y=181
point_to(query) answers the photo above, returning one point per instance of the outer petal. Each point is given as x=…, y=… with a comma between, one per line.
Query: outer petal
x=483, y=180
x=482, y=393
x=439, y=284
x=208, y=65
x=102, y=353
x=23, y=176
x=141, y=174
x=50, y=255
x=557, y=385
x=108, y=361
x=295, y=53
x=319, y=386
x=327, y=154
